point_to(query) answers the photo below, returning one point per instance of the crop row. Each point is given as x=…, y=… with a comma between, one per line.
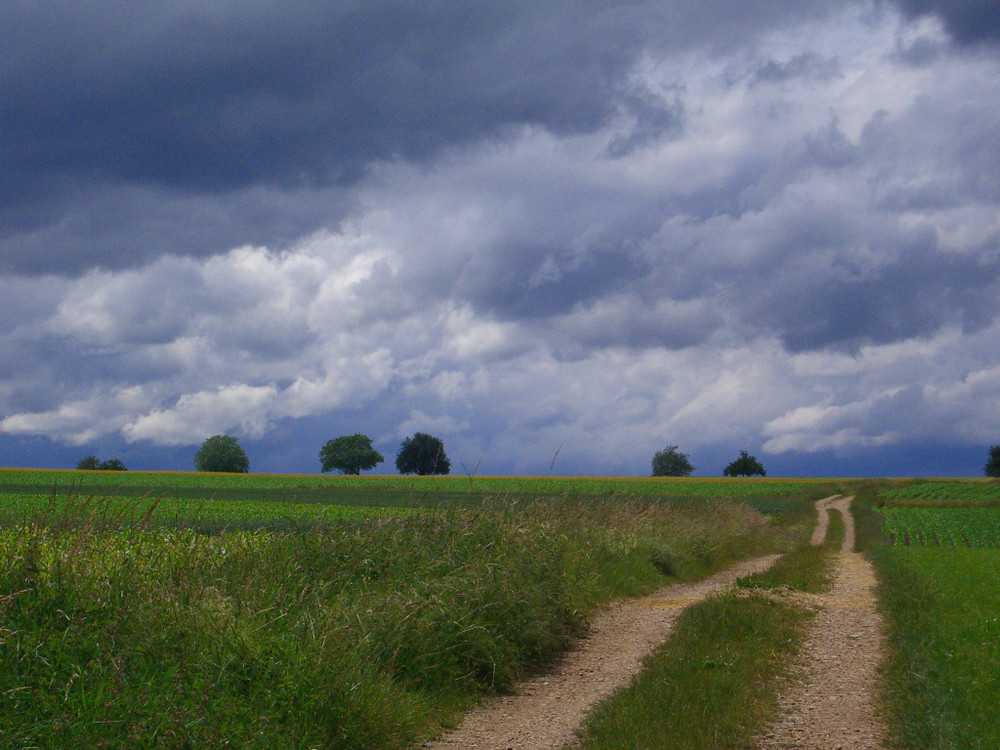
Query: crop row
x=946, y=492
x=942, y=527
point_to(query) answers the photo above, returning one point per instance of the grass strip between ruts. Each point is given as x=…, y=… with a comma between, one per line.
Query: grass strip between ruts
x=715, y=682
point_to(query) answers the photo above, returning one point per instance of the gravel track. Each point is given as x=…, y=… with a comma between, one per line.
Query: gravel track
x=543, y=713
x=830, y=704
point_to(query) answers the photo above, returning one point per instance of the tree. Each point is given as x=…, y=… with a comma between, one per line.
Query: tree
x=992, y=467
x=350, y=454
x=744, y=466
x=222, y=453
x=670, y=462
x=90, y=463
x=422, y=454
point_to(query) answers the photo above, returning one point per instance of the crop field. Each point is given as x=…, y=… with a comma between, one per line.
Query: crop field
x=942, y=527
x=325, y=611
x=940, y=597
x=945, y=493
x=454, y=484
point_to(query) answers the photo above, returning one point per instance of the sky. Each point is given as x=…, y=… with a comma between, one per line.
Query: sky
x=558, y=236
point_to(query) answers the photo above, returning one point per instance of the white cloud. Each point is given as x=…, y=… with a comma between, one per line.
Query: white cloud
x=79, y=422
x=196, y=416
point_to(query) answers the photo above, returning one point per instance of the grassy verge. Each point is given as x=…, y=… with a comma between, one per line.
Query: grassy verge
x=360, y=634
x=715, y=682
x=942, y=678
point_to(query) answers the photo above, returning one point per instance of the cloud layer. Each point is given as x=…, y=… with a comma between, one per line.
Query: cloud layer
x=597, y=230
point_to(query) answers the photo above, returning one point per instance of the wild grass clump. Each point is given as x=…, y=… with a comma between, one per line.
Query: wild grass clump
x=361, y=634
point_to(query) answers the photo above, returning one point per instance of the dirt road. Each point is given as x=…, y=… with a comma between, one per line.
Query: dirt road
x=830, y=706
x=543, y=713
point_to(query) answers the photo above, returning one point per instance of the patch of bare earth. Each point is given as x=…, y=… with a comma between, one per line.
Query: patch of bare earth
x=543, y=713
x=830, y=704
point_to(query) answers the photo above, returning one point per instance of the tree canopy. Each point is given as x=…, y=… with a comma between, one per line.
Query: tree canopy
x=422, y=454
x=744, y=466
x=670, y=462
x=90, y=463
x=222, y=453
x=349, y=454
x=992, y=467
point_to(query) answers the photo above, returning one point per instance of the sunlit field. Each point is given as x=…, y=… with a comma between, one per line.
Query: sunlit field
x=188, y=610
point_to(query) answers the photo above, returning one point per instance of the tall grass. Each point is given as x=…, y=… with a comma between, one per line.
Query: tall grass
x=362, y=634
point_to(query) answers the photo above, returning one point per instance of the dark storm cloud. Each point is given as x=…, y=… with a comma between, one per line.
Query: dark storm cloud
x=923, y=291
x=200, y=100
x=969, y=21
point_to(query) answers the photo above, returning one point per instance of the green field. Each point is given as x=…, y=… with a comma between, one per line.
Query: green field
x=943, y=678
x=950, y=493
x=939, y=594
x=325, y=611
x=15, y=508
x=171, y=610
x=89, y=481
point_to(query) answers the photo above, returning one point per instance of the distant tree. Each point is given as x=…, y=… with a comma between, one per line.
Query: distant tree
x=744, y=466
x=90, y=463
x=349, y=454
x=670, y=462
x=112, y=465
x=222, y=453
x=992, y=467
x=422, y=454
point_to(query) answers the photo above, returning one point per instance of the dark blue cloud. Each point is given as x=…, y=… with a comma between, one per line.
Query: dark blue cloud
x=969, y=21
x=203, y=100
